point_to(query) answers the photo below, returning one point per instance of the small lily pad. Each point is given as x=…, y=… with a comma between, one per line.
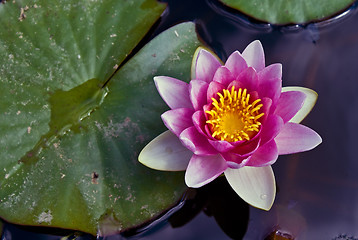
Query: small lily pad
x=289, y=11
x=73, y=118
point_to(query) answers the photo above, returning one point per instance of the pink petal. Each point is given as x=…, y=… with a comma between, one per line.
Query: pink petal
x=270, y=88
x=271, y=128
x=207, y=107
x=204, y=169
x=236, y=84
x=198, y=89
x=208, y=132
x=166, y=153
x=177, y=120
x=223, y=76
x=289, y=104
x=234, y=165
x=221, y=146
x=266, y=108
x=245, y=150
x=310, y=101
x=213, y=89
x=255, y=185
x=271, y=71
x=234, y=160
x=173, y=91
x=264, y=156
x=254, y=95
x=196, y=142
x=248, y=79
x=206, y=66
x=295, y=137
x=254, y=55
x=199, y=121
x=236, y=63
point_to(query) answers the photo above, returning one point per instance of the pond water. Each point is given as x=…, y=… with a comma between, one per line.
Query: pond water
x=317, y=190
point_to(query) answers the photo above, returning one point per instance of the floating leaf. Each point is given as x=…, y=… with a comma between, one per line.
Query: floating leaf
x=289, y=11
x=69, y=133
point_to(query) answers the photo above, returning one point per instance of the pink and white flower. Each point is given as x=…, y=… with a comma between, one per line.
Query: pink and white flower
x=233, y=118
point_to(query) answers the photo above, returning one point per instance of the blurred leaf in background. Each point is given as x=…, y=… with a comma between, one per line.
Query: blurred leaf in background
x=289, y=11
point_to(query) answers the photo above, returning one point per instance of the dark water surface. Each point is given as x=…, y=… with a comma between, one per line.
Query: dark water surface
x=317, y=190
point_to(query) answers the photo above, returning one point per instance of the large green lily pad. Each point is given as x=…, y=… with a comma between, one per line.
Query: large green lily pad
x=70, y=133
x=289, y=11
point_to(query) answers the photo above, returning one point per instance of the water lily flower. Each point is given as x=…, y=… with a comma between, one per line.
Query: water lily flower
x=233, y=119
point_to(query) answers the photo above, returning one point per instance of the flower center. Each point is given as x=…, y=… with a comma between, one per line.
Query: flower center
x=233, y=116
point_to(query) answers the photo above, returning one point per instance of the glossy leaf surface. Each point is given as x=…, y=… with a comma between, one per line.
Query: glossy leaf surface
x=69, y=142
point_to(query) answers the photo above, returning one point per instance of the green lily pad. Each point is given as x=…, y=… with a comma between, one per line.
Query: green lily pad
x=71, y=127
x=289, y=11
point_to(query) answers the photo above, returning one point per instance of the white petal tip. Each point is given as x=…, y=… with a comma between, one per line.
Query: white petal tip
x=255, y=185
x=165, y=153
x=191, y=184
x=310, y=101
x=256, y=42
x=254, y=55
x=197, y=53
x=206, y=53
x=204, y=169
x=158, y=78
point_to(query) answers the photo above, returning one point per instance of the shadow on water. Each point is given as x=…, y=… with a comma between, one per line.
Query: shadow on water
x=318, y=190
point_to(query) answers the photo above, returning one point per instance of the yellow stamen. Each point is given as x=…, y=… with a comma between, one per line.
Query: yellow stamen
x=233, y=117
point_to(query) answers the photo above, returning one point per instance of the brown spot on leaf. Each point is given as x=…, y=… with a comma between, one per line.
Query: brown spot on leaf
x=22, y=13
x=94, y=177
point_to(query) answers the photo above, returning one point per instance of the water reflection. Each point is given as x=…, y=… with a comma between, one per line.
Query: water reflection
x=217, y=200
